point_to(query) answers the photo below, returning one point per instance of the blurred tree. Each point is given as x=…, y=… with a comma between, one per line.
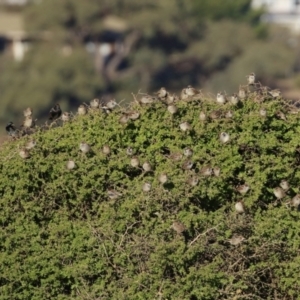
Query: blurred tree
x=116, y=47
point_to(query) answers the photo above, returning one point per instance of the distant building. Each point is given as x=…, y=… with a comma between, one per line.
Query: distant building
x=282, y=12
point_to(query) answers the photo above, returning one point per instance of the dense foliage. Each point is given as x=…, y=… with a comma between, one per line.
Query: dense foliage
x=93, y=233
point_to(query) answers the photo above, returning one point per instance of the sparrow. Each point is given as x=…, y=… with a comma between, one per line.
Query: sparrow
x=216, y=171
x=202, y=116
x=162, y=93
x=146, y=166
x=94, y=103
x=24, y=153
x=70, y=165
x=187, y=165
x=284, y=185
x=147, y=99
x=27, y=112
x=224, y=137
x=146, y=187
x=82, y=110
x=133, y=115
x=243, y=188
x=206, y=171
x=193, y=181
x=188, y=152
x=279, y=193
x=281, y=115
x=55, y=112
x=242, y=93
x=221, y=98
x=11, y=129
x=163, y=178
x=175, y=156
x=111, y=104
x=172, y=109
x=185, y=126
x=190, y=91
x=28, y=122
x=30, y=145
x=184, y=95
x=113, y=194
x=215, y=114
x=236, y=240
x=124, y=119
x=135, y=162
x=84, y=147
x=240, y=207
x=129, y=151
x=296, y=201
x=178, y=227
x=229, y=114
x=65, y=117
x=251, y=78
x=263, y=112
x=275, y=93
x=106, y=150
x=234, y=99
x=171, y=99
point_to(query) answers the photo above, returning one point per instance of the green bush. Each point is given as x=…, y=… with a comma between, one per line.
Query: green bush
x=63, y=237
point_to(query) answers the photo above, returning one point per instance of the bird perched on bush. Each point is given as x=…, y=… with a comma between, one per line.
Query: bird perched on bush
x=55, y=112
x=251, y=78
x=11, y=129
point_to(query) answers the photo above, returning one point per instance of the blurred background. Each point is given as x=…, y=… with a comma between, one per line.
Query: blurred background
x=71, y=51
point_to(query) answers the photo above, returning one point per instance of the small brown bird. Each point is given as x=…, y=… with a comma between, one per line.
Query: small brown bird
x=82, y=110
x=206, y=171
x=147, y=187
x=296, y=201
x=11, y=130
x=193, y=181
x=28, y=122
x=24, y=153
x=224, y=137
x=184, y=95
x=242, y=93
x=147, y=99
x=243, y=188
x=84, y=147
x=162, y=93
x=188, y=152
x=229, y=114
x=55, y=112
x=30, y=145
x=172, y=109
x=175, y=156
x=133, y=115
x=111, y=104
x=185, y=126
x=284, y=185
x=147, y=166
x=281, y=115
x=187, y=165
x=135, y=162
x=234, y=100
x=251, y=79
x=215, y=114
x=190, y=91
x=124, y=119
x=236, y=240
x=113, y=194
x=27, y=112
x=263, y=112
x=65, y=117
x=129, y=151
x=106, y=150
x=279, y=193
x=275, y=93
x=163, y=178
x=178, y=227
x=202, y=116
x=221, y=98
x=70, y=165
x=240, y=207
x=217, y=171
x=94, y=104
x=171, y=99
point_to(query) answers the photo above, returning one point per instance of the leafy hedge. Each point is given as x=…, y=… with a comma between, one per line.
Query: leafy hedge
x=63, y=237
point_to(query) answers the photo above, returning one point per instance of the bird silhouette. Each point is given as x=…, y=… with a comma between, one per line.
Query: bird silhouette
x=55, y=112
